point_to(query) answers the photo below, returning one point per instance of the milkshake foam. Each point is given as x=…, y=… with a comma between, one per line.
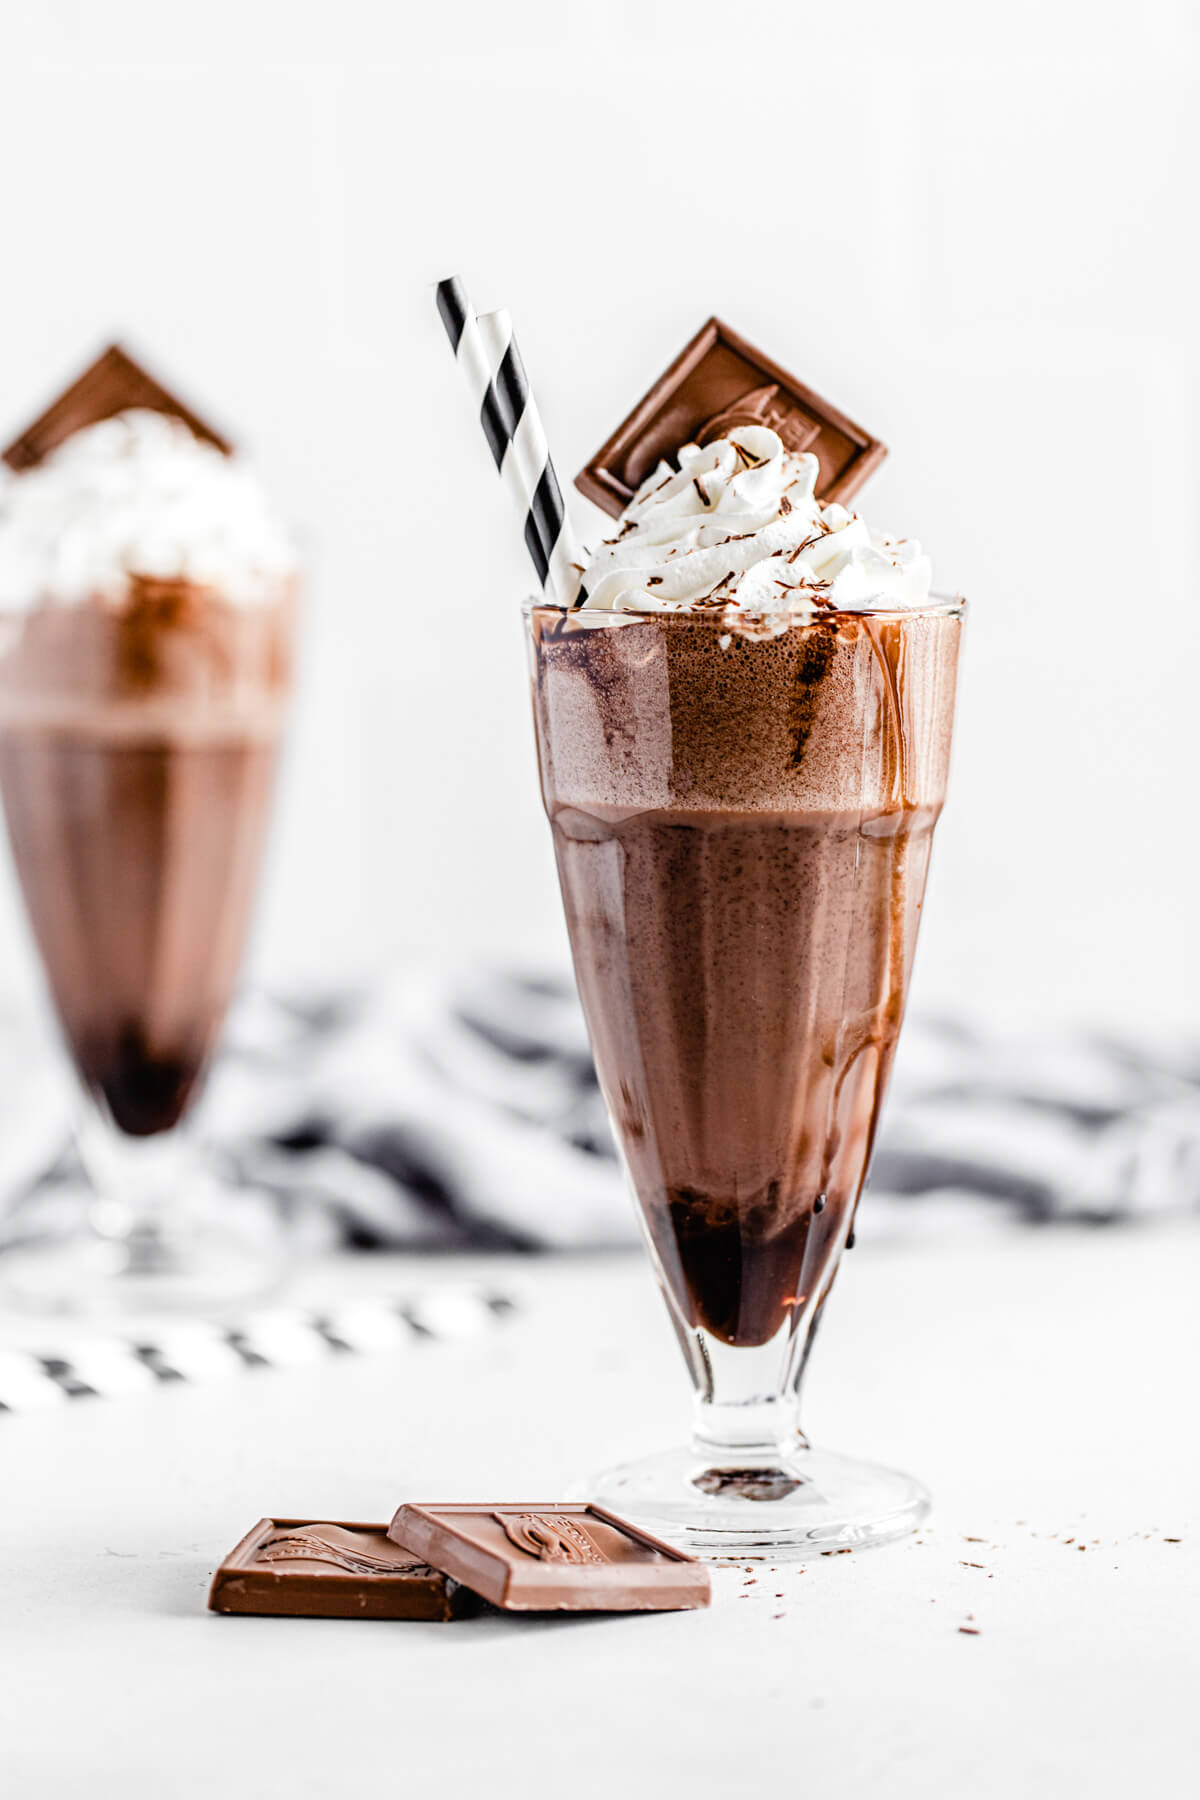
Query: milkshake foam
x=737, y=528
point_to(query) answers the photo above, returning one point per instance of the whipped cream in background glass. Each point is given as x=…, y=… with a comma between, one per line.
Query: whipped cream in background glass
x=738, y=527
x=138, y=495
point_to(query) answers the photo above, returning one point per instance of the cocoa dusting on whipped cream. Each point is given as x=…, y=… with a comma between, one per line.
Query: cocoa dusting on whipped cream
x=741, y=517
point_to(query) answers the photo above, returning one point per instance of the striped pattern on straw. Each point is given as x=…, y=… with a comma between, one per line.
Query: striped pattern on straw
x=201, y=1350
x=491, y=363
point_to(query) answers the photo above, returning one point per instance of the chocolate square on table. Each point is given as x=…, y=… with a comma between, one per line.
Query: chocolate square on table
x=113, y=384
x=717, y=383
x=325, y=1569
x=558, y=1557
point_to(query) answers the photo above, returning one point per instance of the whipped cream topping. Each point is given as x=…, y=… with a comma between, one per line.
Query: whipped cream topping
x=138, y=494
x=738, y=527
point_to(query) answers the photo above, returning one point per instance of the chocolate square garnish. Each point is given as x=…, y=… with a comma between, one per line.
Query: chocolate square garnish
x=560, y=1557
x=114, y=384
x=326, y=1569
x=718, y=382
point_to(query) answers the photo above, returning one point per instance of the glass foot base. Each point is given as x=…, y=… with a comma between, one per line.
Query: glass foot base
x=219, y=1260
x=776, y=1509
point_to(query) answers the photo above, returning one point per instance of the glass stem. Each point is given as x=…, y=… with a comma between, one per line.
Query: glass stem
x=132, y=1178
x=745, y=1404
x=747, y=1430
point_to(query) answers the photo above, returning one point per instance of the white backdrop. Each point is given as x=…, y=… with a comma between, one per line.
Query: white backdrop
x=973, y=228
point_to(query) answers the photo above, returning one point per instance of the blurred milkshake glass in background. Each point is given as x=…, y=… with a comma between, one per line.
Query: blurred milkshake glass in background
x=743, y=736
x=147, y=599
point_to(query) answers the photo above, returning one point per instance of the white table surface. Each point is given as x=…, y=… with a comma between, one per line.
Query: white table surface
x=1044, y=1385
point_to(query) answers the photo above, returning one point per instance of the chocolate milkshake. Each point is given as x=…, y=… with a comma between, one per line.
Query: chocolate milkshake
x=743, y=736
x=146, y=614
x=742, y=833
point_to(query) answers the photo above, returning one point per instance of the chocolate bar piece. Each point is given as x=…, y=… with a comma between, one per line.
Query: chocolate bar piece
x=720, y=381
x=114, y=384
x=327, y=1570
x=553, y=1558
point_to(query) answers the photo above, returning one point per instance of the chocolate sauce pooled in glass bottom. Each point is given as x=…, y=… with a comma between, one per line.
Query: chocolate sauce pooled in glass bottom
x=742, y=825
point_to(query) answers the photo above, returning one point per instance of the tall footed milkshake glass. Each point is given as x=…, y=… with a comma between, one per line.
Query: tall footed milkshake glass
x=137, y=758
x=742, y=817
x=140, y=720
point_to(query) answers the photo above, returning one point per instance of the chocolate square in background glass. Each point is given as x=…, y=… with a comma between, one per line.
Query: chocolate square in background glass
x=113, y=384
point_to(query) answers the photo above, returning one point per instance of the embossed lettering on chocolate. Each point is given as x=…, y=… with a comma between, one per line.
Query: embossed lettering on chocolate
x=742, y=825
x=327, y=1569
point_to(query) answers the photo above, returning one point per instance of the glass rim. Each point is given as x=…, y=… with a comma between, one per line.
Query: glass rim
x=938, y=606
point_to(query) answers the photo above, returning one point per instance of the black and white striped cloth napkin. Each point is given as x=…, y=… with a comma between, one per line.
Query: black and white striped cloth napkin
x=462, y=1111
x=437, y=1112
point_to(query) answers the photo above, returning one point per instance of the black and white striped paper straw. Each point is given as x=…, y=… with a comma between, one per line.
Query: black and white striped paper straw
x=487, y=353
x=200, y=1351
